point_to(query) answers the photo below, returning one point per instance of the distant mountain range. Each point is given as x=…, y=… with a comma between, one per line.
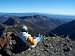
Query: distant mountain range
x=41, y=23
x=67, y=18
x=36, y=23
x=58, y=24
x=66, y=29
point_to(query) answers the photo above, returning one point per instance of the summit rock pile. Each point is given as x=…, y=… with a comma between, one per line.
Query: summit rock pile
x=52, y=46
x=49, y=46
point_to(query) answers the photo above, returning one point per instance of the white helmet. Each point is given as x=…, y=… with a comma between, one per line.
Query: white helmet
x=24, y=28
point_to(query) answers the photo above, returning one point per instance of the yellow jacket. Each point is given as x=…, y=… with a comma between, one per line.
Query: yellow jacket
x=31, y=40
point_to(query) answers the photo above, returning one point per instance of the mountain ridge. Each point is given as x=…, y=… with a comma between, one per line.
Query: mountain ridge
x=66, y=29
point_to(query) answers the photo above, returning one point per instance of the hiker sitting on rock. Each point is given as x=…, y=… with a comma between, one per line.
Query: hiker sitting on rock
x=27, y=38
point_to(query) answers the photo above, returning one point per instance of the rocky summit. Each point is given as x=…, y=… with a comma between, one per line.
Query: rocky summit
x=49, y=46
x=52, y=46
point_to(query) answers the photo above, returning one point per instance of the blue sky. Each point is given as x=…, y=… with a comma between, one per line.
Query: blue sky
x=64, y=7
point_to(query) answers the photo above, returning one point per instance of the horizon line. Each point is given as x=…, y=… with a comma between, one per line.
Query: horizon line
x=39, y=13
